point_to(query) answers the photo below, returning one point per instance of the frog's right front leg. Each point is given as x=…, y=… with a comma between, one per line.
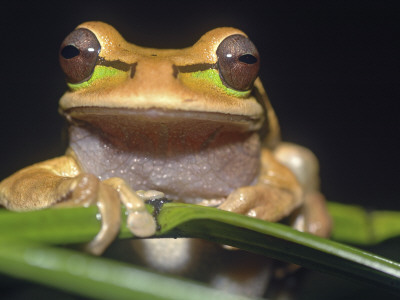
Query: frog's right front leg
x=60, y=182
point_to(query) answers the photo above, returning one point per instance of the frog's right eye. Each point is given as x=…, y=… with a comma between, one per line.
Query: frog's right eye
x=78, y=55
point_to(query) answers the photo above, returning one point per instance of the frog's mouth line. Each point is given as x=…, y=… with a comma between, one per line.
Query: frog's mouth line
x=115, y=116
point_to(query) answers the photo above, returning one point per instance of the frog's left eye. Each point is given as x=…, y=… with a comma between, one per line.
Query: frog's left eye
x=78, y=55
x=238, y=62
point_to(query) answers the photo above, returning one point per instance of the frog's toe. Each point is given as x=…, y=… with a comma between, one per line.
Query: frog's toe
x=109, y=209
x=313, y=217
x=150, y=195
x=141, y=224
x=262, y=202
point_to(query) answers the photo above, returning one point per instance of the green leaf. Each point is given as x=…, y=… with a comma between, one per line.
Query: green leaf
x=353, y=224
x=281, y=242
x=58, y=226
x=96, y=277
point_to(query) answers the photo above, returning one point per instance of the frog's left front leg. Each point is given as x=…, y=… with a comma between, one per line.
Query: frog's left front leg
x=276, y=194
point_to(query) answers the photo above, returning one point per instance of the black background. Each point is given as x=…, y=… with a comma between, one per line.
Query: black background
x=331, y=69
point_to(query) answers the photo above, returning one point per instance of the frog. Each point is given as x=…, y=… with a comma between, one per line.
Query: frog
x=193, y=125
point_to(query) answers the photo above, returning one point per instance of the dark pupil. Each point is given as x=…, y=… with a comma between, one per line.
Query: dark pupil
x=248, y=59
x=69, y=52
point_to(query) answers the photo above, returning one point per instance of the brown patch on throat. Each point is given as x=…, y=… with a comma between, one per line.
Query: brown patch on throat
x=163, y=132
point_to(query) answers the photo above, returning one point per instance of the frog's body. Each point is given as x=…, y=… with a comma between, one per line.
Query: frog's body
x=194, y=124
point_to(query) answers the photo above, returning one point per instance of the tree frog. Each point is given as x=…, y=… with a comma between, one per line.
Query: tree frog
x=193, y=125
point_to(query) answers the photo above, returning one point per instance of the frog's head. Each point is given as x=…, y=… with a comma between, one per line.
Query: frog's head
x=214, y=81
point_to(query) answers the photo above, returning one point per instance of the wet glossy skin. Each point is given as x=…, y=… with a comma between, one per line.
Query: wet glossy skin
x=167, y=120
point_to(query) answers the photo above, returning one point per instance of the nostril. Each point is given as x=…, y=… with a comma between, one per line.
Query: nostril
x=133, y=70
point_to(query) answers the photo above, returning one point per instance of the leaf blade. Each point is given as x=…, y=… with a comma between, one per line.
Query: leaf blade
x=96, y=277
x=177, y=219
